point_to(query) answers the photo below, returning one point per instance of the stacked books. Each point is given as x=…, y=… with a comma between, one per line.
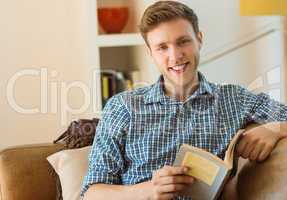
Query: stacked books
x=113, y=83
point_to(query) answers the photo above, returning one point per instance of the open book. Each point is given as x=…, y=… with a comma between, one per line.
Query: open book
x=210, y=172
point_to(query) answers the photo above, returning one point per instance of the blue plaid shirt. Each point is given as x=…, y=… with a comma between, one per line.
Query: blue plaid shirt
x=141, y=130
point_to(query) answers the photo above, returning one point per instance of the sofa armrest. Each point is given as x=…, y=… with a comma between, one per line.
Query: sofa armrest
x=25, y=173
x=266, y=180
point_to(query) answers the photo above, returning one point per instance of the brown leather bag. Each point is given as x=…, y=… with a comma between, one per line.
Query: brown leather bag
x=79, y=134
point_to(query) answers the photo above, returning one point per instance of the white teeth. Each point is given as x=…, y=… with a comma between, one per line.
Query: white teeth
x=178, y=67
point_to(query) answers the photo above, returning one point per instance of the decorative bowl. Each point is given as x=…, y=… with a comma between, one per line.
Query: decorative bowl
x=113, y=19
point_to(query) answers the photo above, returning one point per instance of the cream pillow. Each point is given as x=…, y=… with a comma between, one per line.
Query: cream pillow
x=71, y=166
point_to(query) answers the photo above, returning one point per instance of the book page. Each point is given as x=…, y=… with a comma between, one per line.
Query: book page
x=209, y=170
x=200, y=167
x=229, y=154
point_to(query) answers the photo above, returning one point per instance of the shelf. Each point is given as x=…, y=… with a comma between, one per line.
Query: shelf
x=121, y=39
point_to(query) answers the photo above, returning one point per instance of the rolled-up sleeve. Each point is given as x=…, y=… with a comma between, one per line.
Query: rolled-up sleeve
x=260, y=108
x=106, y=162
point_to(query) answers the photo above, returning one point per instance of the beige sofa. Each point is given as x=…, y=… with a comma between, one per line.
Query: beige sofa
x=25, y=174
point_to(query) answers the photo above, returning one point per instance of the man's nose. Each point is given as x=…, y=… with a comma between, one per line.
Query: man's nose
x=175, y=53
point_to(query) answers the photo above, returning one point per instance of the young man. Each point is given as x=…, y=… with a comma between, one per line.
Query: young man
x=140, y=131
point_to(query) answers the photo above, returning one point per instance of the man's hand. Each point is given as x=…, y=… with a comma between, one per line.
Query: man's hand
x=257, y=143
x=169, y=181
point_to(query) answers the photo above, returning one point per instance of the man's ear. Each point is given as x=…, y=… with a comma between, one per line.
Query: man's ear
x=148, y=50
x=199, y=36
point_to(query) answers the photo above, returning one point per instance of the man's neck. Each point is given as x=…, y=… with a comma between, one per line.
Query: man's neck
x=181, y=93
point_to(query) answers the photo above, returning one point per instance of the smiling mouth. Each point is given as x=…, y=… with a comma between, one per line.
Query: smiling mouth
x=179, y=68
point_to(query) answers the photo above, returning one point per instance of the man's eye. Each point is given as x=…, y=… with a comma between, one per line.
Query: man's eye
x=182, y=42
x=162, y=48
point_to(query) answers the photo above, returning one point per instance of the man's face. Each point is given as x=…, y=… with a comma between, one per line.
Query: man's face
x=175, y=47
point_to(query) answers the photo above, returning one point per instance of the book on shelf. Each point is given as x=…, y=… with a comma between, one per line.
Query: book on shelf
x=113, y=83
x=209, y=171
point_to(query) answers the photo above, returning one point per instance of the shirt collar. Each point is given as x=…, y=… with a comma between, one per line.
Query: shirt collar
x=204, y=86
x=156, y=93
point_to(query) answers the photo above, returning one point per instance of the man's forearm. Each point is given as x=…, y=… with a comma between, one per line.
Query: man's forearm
x=278, y=127
x=119, y=192
x=283, y=129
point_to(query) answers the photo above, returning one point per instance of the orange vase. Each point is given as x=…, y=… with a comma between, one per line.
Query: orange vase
x=113, y=19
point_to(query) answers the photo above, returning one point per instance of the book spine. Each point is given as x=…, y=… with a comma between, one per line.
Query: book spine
x=105, y=89
x=114, y=83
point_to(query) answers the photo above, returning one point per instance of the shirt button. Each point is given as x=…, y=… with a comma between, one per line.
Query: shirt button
x=181, y=109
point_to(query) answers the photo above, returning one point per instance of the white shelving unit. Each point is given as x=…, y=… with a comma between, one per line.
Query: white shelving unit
x=117, y=40
x=123, y=51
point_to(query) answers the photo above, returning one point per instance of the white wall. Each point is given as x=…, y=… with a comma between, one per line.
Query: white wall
x=36, y=34
x=224, y=28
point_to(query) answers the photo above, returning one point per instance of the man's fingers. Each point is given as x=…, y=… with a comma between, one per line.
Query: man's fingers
x=247, y=151
x=171, y=188
x=241, y=146
x=174, y=180
x=166, y=196
x=171, y=171
x=254, y=154
x=244, y=148
x=264, y=153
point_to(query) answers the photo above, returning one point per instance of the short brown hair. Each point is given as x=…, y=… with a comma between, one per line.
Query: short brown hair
x=163, y=11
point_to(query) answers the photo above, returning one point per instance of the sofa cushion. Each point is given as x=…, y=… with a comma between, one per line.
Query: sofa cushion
x=71, y=166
